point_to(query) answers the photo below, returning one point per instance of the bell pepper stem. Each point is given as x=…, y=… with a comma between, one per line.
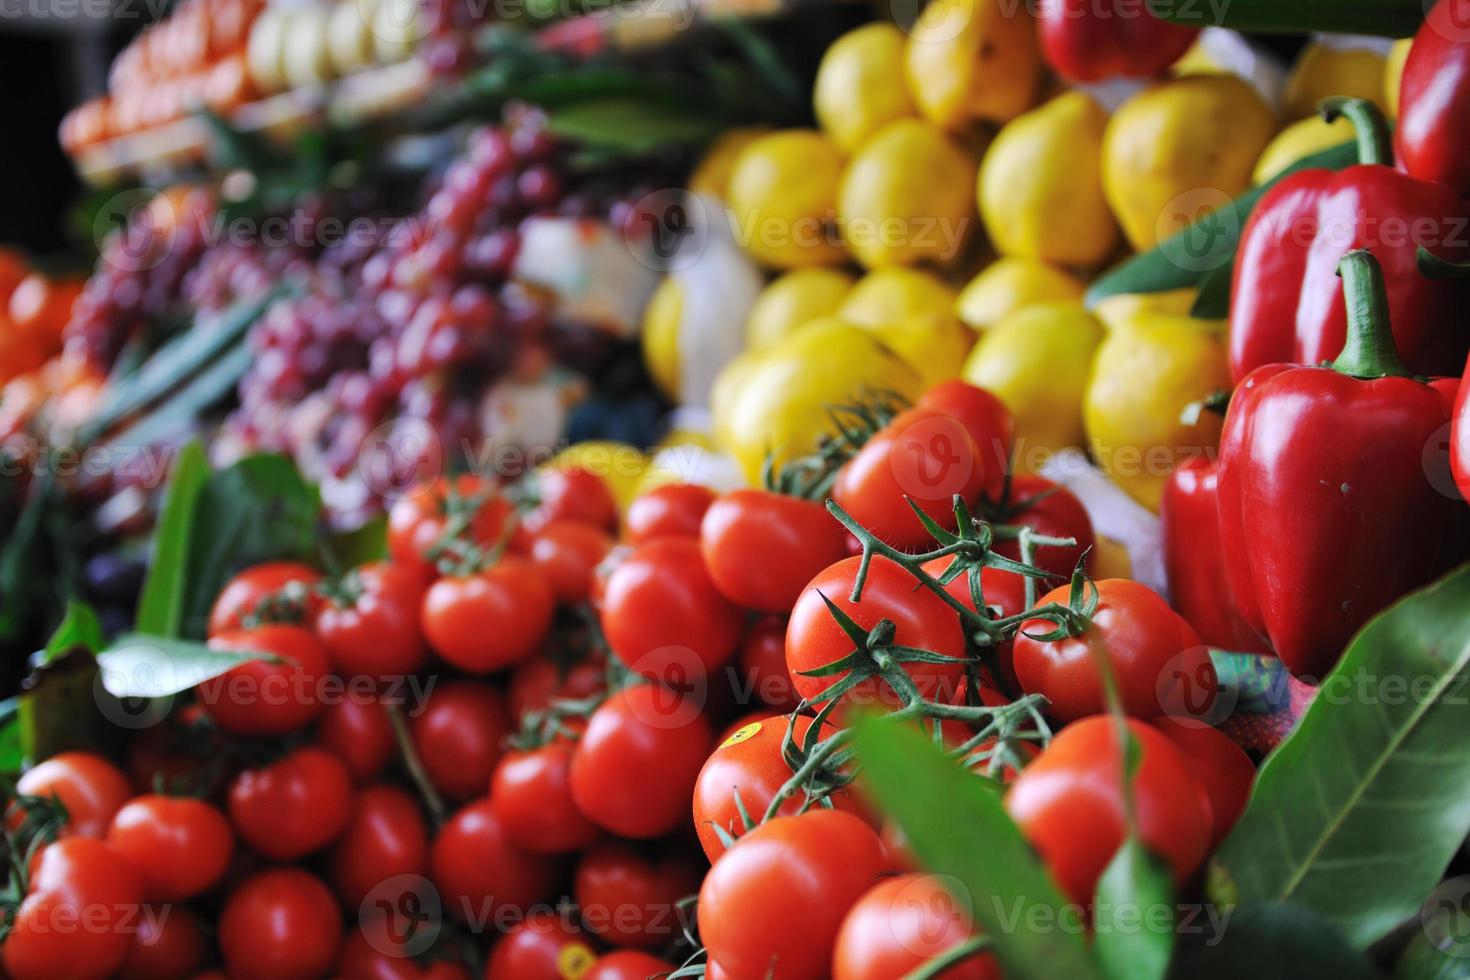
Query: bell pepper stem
x=1375, y=145
x=1431, y=266
x=1369, y=351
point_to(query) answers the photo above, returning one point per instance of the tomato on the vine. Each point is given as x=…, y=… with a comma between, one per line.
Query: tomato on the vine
x=1156, y=658
x=457, y=732
x=370, y=625
x=572, y=494
x=920, y=618
x=385, y=837
x=1052, y=511
x=281, y=924
x=772, y=906
x=901, y=925
x=168, y=944
x=544, y=946
x=419, y=520
x=628, y=964
x=1004, y=592
x=538, y=681
x=627, y=897
x=1222, y=767
x=1069, y=803
x=567, y=554
x=634, y=768
x=248, y=595
x=359, y=732
x=83, y=875
x=480, y=873
x=180, y=845
x=670, y=510
x=762, y=665
x=267, y=697
x=293, y=806
x=761, y=548
x=532, y=793
x=490, y=619
x=90, y=788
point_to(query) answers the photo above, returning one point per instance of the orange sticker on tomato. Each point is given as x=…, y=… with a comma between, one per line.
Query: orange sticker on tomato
x=742, y=734
x=574, y=961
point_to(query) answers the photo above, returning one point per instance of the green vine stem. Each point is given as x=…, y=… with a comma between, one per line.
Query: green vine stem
x=409, y=753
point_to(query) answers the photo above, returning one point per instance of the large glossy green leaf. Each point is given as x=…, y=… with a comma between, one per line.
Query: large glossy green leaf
x=1385, y=18
x=1357, y=814
x=1265, y=940
x=959, y=827
x=161, y=604
x=141, y=666
x=1134, y=916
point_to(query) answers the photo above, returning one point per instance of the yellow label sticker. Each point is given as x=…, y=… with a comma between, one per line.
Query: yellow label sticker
x=742, y=735
x=574, y=961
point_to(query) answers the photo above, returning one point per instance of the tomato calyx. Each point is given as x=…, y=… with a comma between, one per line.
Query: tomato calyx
x=287, y=605
x=29, y=824
x=810, y=477
x=1073, y=619
x=454, y=552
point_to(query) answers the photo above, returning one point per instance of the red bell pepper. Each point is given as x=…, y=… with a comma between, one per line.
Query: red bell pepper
x=1434, y=99
x=1194, y=560
x=1460, y=437
x=1094, y=40
x=1286, y=306
x=1329, y=509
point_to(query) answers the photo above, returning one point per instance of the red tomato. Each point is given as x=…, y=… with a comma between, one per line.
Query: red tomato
x=902, y=924
x=663, y=616
x=1069, y=804
x=281, y=924
x=762, y=548
x=627, y=897
x=490, y=620
x=458, y=732
x=90, y=788
x=358, y=732
x=567, y=554
x=764, y=678
x=181, y=846
x=540, y=680
x=1221, y=766
x=294, y=806
x=381, y=958
x=78, y=916
x=543, y=947
x=629, y=964
x=634, y=768
x=532, y=794
x=750, y=760
x=984, y=416
x=1004, y=592
x=385, y=837
x=773, y=905
x=1052, y=511
x=1159, y=663
x=242, y=596
x=168, y=944
x=573, y=494
x=261, y=698
x=372, y=628
x=480, y=874
x=923, y=456
x=920, y=618
x=418, y=521
x=672, y=510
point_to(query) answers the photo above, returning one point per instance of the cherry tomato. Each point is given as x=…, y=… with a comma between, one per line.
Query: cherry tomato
x=242, y=596
x=984, y=416
x=417, y=521
x=480, y=874
x=1052, y=511
x=280, y=924
x=382, y=958
x=671, y=510
x=762, y=548
x=532, y=794
x=372, y=628
x=573, y=494
x=664, y=617
x=762, y=665
x=181, y=846
x=385, y=837
x=1159, y=663
x=490, y=620
x=90, y=788
x=1069, y=804
x=628, y=897
x=629, y=964
x=358, y=731
x=634, y=768
x=458, y=732
x=293, y=806
x=920, y=618
x=567, y=554
x=923, y=456
x=168, y=944
x=1221, y=766
x=267, y=698
x=902, y=924
x=540, y=680
x=543, y=947
x=1004, y=592
x=77, y=917
x=772, y=906
x=749, y=761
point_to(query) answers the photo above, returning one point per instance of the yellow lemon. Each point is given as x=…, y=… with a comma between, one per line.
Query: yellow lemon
x=934, y=344
x=1122, y=310
x=1008, y=284
x=907, y=196
x=886, y=296
x=1322, y=70
x=712, y=174
x=793, y=299
x=661, y=321
x=1393, y=74
x=1040, y=186
x=1300, y=139
x=856, y=90
x=973, y=61
x=783, y=194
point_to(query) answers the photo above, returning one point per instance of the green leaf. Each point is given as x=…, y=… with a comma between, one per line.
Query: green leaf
x=1266, y=940
x=1357, y=814
x=79, y=629
x=630, y=125
x=59, y=707
x=1188, y=258
x=181, y=410
x=958, y=825
x=139, y=665
x=1134, y=918
x=359, y=546
x=1384, y=18
x=161, y=604
x=12, y=755
x=20, y=591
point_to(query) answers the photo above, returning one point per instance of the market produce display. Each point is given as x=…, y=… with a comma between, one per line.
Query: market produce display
x=973, y=491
